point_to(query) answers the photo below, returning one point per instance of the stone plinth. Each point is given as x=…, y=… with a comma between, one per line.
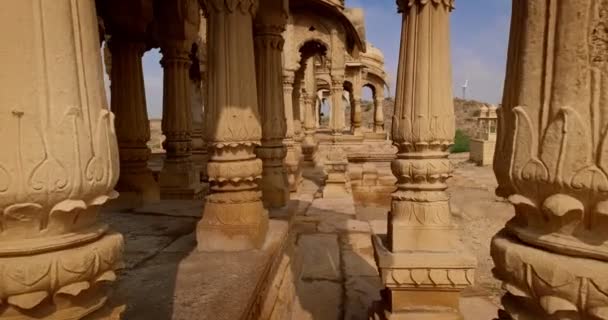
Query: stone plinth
x=482, y=151
x=422, y=285
x=565, y=285
x=336, y=168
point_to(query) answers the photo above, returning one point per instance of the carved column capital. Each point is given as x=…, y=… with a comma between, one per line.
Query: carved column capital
x=228, y=6
x=337, y=84
x=273, y=17
x=406, y=5
x=127, y=19
x=288, y=80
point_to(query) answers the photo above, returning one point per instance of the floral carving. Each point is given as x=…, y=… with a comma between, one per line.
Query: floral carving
x=553, y=282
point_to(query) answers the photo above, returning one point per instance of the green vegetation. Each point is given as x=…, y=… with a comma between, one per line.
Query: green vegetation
x=461, y=142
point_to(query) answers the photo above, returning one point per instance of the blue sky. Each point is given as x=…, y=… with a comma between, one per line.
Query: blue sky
x=480, y=30
x=479, y=45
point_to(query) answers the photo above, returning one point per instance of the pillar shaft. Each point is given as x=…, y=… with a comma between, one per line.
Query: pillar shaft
x=268, y=39
x=132, y=124
x=421, y=239
x=198, y=77
x=337, y=121
x=309, y=144
x=234, y=218
x=59, y=162
x=551, y=162
x=356, y=116
x=179, y=178
x=379, y=113
x=292, y=158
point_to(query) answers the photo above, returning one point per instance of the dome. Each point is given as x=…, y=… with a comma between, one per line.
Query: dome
x=492, y=111
x=483, y=111
x=374, y=53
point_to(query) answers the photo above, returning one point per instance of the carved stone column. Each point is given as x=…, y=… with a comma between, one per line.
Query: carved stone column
x=58, y=165
x=355, y=114
x=309, y=144
x=337, y=121
x=268, y=39
x=179, y=178
x=234, y=217
x=127, y=25
x=421, y=262
x=292, y=159
x=199, y=147
x=132, y=124
x=199, y=93
x=379, y=112
x=552, y=162
x=336, y=170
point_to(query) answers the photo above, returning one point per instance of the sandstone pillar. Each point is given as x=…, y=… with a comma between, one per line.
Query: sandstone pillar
x=292, y=159
x=269, y=25
x=127, y=25
x=336, y=170
x=355, y=105
x=420, y=261
x=199, y=94
x=309, y=143
x=234, y=218
x=337, y=122
x=552, y=164
x=199, y=147
x=379, y=112
x=58, y=165
x=132, y=124
x=179, y=178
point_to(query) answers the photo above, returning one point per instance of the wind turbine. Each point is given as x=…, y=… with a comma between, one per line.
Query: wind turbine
x=464, y=89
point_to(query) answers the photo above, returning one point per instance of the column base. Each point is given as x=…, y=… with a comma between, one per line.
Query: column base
x=180, y=181
x=422, y=284
x=275, y=188
x=64, y=284
x=200, y=163
x=546, y=285
x=232, y=222
x=293, y=167
x=333, y=190
x=137, y=189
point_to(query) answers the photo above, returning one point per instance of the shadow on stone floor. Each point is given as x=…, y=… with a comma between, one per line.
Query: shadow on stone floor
x=339, y=279
x=155, y=244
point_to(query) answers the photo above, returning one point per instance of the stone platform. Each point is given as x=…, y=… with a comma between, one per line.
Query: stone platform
x=322, y=269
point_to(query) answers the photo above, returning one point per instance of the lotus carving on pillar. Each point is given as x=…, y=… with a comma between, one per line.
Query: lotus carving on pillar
x=560, y=183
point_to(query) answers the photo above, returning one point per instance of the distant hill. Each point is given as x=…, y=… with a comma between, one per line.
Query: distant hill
x=466, y=112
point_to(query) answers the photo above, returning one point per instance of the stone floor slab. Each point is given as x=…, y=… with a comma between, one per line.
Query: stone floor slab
x=178, y=208
x=318, y=300
x=478, y=308
x=321, y=257
x=359, y=263
x=360, y=293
